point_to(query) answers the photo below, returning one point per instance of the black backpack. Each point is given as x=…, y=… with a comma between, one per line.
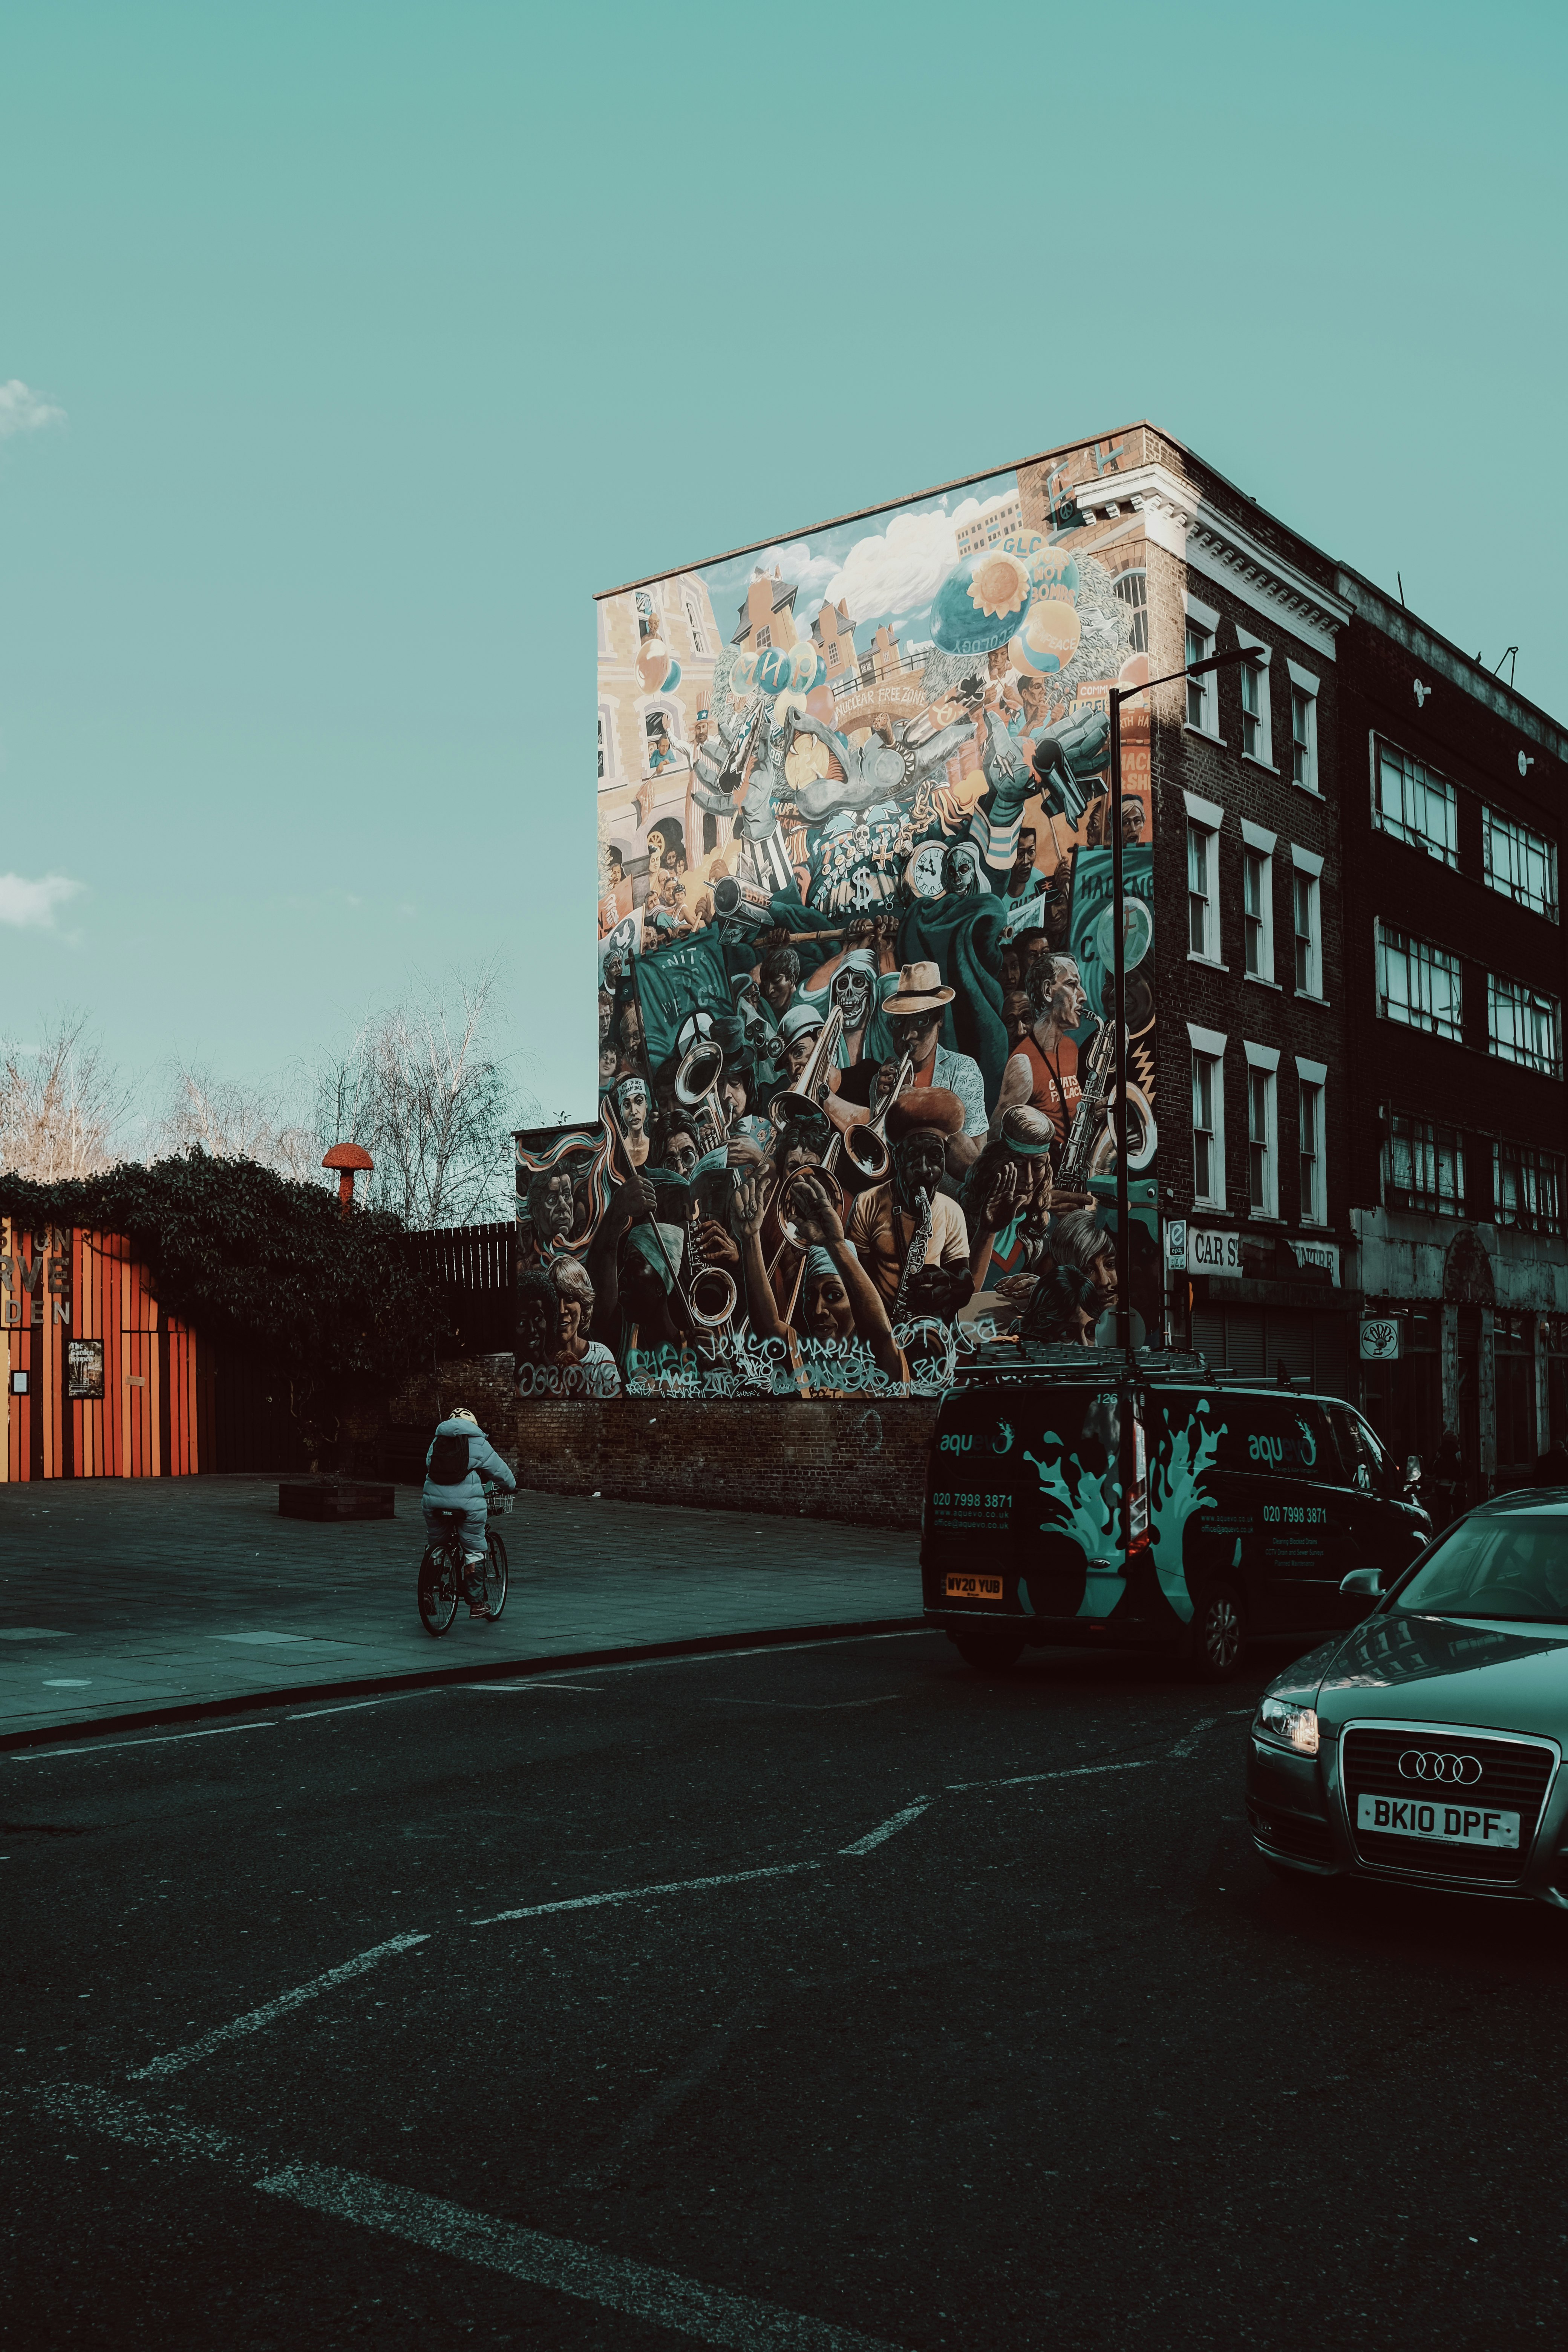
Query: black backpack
x=449, y=1461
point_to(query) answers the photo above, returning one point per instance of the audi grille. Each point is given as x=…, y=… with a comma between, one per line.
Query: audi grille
x=1511, y=1773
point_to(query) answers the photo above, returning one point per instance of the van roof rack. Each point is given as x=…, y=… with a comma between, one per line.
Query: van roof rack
x=1014, y=1359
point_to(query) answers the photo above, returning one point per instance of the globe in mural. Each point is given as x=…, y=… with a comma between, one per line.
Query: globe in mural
x=981, y=603
x=658, y=667
x=1048, y=638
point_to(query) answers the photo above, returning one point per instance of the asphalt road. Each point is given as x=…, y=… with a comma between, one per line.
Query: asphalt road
x=929, y=2011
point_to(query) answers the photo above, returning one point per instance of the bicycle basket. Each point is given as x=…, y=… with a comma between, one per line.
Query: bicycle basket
x=498, y=1502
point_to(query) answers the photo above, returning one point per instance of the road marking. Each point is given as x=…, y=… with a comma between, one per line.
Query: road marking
x=637, y=1894
x=1185, y=1746
x=255, y=2018
x=107, y=1747
x=889, y=1828
x=670, y=2095
x=349, y=1707
x=1073, y=1772
x=530, y=1685
x=659, y=2298
x=809, y=1705
x=761, y=1650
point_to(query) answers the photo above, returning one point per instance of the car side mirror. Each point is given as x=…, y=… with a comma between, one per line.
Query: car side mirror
x=1362, y=1584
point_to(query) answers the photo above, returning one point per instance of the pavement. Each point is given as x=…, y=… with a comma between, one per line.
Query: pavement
x=826, y=1998
x=126, y=1599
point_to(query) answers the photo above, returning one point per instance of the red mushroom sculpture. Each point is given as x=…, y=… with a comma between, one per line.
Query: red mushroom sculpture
x=348, y=1159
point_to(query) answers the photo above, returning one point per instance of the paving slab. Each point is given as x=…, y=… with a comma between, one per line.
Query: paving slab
x=118, y=1596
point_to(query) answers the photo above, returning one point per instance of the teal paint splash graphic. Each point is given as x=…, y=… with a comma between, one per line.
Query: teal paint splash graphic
x=1174, y=1497
x=1084, y=1508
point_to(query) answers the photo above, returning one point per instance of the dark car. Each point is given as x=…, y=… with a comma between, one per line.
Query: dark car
x=1072, y=1499
x=1425, y=1748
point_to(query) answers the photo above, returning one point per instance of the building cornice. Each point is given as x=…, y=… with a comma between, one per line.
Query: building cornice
x=1178, y=517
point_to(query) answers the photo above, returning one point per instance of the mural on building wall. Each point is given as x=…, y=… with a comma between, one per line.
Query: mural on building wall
x=855, y=942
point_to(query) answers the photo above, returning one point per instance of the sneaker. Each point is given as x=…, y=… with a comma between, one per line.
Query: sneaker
x=479, y=1609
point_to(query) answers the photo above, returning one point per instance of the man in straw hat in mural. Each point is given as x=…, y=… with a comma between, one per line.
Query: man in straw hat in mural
x=885, y=1222
x=913, y=1015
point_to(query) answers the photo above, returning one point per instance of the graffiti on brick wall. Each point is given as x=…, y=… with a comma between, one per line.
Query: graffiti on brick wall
x=854, y=938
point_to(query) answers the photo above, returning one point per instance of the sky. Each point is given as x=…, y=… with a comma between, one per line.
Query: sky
x=346, y=351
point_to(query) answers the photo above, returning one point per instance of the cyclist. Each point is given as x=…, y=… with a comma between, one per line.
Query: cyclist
x=461, y=1459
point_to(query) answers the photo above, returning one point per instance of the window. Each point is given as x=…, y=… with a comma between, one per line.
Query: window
x=1415, y=804
x=1133, y=589
x=1526, y=1188
x=1306, y=913
x=1257, y=901
x=1424, y=1167
x=699, y=645
x=1309, y=1079
x=1524, y=1025
x=1208, y=1116
x=1256, y=731
x=1303, y=728
x=1200, y=690
x=1203, y=915
x=1418, y=984
x=601, y=747
x=606, y=740
x=648, y=625
x=1262, y=1157
x=1521, y=864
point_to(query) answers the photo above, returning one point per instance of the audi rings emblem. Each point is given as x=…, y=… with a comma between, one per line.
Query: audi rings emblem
x=1425, y=1764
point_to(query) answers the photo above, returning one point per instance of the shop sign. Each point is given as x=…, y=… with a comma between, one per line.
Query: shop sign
x=1382, y=1339
x=1177, y=1244
x=1212, y=1252
x=1325, y=1254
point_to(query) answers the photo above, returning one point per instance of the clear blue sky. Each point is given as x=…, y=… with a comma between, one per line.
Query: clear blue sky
x=383, y=335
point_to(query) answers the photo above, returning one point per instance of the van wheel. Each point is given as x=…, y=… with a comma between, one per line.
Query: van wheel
x=992, y=1648
x=1216, y=1639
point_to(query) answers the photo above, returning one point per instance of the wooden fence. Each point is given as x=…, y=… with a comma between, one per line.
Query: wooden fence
x=473, y=1269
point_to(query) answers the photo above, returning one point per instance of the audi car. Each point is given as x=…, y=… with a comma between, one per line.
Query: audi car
x=1425, y=1748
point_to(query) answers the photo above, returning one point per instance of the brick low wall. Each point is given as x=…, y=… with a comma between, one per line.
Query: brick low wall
x=828, y=1460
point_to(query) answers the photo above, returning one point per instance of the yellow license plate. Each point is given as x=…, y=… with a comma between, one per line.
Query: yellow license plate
x=973, y=1588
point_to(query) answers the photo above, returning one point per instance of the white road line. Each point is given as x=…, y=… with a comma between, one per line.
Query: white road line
x=1073, y=1772
x=526, y=1683
x=637, y=1894
x=254, y=2019
x=1185, y=1746
x=387, y=1698
x=889, y=1828
x=761, y=1649
x=659, y=2298
x=107, y=1747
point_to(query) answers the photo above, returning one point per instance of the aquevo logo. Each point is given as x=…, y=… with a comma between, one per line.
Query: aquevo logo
x=953, y=1443
x=1297, y=1453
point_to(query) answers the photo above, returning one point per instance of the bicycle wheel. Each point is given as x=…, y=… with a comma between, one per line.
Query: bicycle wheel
x=495, y=1573
x=437, y=1590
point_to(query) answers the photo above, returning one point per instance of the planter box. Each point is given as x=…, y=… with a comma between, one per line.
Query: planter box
x=299, y=1500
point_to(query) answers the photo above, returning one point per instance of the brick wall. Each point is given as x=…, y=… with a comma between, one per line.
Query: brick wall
x=828, y=1459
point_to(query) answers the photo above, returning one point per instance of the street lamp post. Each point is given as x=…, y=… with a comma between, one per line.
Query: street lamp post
x=1118, y=695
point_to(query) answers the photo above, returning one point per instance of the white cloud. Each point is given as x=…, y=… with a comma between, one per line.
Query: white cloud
x=23, y=410
x=795, y=561
x=30, y=906
x=901, y=569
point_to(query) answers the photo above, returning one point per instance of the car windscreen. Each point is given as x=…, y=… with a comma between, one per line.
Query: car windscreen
x=1513, y=1567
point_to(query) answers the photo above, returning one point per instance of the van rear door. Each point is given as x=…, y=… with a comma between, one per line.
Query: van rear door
x=968, y=1548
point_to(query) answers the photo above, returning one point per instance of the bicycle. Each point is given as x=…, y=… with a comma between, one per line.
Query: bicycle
x=443, y=1577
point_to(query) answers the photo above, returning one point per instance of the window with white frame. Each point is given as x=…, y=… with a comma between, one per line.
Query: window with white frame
x=1201, y=704
x=1209, y=1117
x=1262, y=1130
x=1257, y=901
x=1522, y=865
x=607, y=764
x=648, y=620
x=694, y=622
x=1419, y=984
x=1524, y=1025
x=1132, y=590
x=1303, y=728
x=1256, y=724
x=1414, y=803
x=1203, y=915
x=1310, y=1080
x=1306, y=920
x=602, y=747
x=1526, y=1188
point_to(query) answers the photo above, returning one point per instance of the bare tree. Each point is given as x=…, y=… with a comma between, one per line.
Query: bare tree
x=422, y=1089
x=62, y=1106
x=233, y=1121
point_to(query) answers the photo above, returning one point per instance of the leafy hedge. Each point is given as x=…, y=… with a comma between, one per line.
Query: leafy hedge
x=250, y=1257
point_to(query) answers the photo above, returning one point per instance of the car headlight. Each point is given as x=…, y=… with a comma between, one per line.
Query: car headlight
x=1293, y=1726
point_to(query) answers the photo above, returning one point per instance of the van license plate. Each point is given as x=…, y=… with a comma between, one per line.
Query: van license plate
x=1448, y=1824
x=973, y=1588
